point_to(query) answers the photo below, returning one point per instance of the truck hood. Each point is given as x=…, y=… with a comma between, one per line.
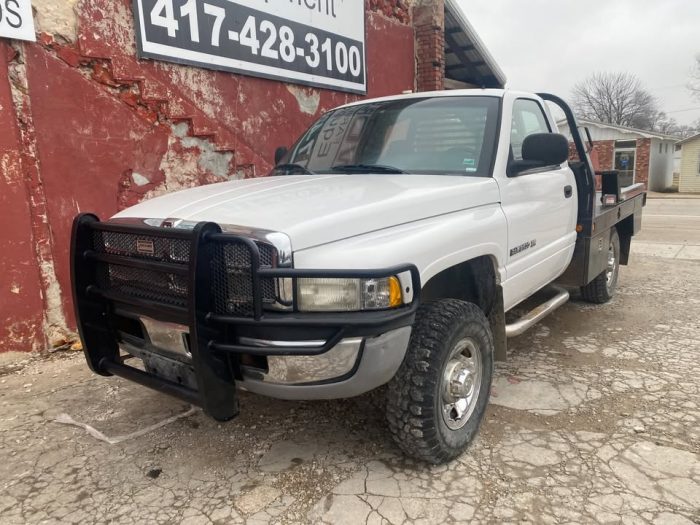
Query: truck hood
x=317, y=209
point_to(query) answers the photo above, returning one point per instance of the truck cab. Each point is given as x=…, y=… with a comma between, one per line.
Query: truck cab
x=383, y=250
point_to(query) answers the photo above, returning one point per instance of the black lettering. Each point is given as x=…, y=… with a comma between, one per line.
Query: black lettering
x=18, y=19
x=326, y=7
x=523, y=247
x=325, y=149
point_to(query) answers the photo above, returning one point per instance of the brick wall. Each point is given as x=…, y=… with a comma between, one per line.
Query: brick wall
x=397, y=9
x=429, y=24
x=606, y=154
x=642, y=161
x=603, y=158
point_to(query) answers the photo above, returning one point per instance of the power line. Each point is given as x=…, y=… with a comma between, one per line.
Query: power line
x=683, y=110
x=668, y=87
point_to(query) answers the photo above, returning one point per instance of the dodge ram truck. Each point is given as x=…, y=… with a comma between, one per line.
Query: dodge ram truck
x=384, y=249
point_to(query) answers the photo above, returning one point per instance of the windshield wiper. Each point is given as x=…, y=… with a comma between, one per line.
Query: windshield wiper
x=366, y=168
x=294, y=167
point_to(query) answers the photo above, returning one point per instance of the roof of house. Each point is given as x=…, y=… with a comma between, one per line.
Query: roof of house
x=689, y=139
x=466, y=57
x=624, y=129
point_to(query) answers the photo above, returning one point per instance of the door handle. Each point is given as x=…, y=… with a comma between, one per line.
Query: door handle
x=568, y=191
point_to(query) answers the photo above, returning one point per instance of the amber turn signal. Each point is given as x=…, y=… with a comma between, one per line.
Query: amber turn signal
x=395, y=295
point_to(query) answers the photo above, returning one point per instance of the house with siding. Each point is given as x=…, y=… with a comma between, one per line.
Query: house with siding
x=646, y=155
x=689, y=180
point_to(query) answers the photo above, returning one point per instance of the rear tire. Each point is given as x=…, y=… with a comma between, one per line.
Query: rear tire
x=437, y=399
x=601, y=289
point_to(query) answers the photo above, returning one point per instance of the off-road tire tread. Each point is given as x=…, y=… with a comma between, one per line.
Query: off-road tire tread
x=410, y=394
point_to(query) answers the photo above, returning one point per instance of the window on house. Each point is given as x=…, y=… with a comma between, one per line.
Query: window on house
x=625, y=157
x=661, y=147
x=698, y=173
x=667, y=147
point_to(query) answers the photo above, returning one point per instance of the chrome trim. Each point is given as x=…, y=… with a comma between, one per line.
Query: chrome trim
x=168, y=337
x=304, y=369
x=279, y=240
x=381, y=358
x=262, y=343
x=537, y=314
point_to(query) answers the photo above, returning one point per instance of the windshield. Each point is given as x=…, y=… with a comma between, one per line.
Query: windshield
x=434, y=136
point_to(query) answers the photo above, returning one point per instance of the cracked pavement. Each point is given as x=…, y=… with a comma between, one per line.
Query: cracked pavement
x=595, y=417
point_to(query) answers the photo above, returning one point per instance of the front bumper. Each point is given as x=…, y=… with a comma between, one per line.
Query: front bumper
x=377, y=362
x=220, y=346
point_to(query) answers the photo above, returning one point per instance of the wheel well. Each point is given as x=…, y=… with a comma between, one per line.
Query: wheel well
x=473, y=281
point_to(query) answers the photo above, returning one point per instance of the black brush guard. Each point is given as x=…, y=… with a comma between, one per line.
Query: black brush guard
x=212, y=334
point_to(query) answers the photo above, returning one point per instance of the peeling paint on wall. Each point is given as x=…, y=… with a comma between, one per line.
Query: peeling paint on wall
x=191, y=161
x=200, y=83
x=55, y=326
x=113, y=18
x=217, y=163
x=139, y=179
x=57, y=17
x=308, y=99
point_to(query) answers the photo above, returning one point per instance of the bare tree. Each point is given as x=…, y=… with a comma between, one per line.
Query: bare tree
x=616, y=98
x=665, y=125
x=694, y=85
x=672, y=127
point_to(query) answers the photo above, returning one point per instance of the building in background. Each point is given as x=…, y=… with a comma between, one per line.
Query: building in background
x=645, y=155
x=90, y=124
x=689, y=179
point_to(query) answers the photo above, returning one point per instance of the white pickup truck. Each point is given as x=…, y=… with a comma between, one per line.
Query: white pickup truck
x=385, y=248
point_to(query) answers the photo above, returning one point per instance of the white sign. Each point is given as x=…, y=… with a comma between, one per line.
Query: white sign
x=314, y=42
x=16, y=20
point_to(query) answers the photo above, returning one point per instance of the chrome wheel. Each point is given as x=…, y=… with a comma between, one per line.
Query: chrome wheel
x=611, y=269
x=461, y=383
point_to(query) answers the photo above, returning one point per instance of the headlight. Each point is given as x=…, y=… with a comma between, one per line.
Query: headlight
x=348, y=295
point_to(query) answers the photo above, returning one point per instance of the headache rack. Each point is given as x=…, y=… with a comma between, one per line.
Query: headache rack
x=213, y=283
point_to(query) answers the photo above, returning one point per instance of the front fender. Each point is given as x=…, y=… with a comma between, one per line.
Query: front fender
x=433, y=244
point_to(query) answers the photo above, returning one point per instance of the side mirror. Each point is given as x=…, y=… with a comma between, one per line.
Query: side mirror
x=539, y=151
x=279, y=154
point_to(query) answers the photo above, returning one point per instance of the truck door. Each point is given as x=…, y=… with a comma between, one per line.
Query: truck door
x=540, y=206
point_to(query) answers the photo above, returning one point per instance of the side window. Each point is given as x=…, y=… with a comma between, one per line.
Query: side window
x=528, y=118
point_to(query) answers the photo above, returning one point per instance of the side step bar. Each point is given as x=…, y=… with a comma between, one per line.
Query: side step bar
x=537, y=314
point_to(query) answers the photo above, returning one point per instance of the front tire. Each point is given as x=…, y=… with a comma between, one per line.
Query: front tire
x=601, y=289
x=437, y=399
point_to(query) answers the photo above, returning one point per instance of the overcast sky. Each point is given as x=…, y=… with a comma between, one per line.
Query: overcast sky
x=548, y=45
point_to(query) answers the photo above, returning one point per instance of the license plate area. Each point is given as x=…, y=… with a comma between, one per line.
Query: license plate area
x=162, y=365
x=171, y=338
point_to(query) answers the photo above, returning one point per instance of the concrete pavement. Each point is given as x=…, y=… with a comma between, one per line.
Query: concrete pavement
x=670, y=228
